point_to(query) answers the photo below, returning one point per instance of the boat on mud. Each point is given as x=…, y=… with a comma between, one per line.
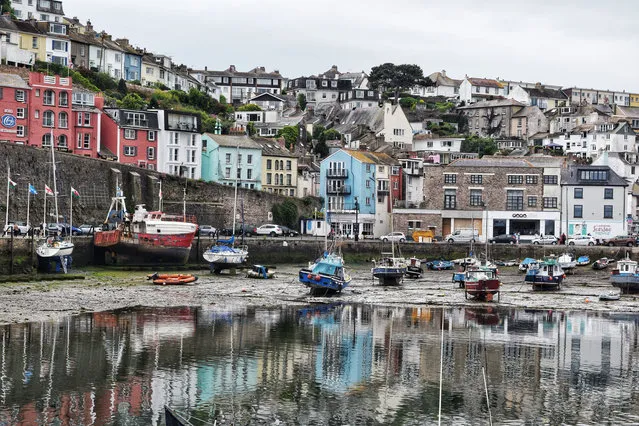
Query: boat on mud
x=583, y=260
x=260, y=272
x=414, y=268
x=172, y=279
x=389, y=270
x=326, y=275
x=602, y=263
x=439, y=265
x=546, y=275
x=567, y=262
x=626, y=276
x=224, y=254
x=481, y=283
x=527, y=264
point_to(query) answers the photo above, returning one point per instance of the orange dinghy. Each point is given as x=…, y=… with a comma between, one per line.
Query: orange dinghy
x=172, y=279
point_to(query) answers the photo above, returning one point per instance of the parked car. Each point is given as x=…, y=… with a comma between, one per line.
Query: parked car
x=22, y=228
x=88, y=229
x=621, y=240
x=249, y=230
x=206, y=230
x=504, y=239
x=394, y=236
x=65, y=229
x=463, y=236
x=581, y=240
x=289, y=232
x=270, y=230
x=545, y=239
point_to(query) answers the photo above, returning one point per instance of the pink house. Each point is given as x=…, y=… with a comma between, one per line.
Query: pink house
x=131, y=136
x=49, y=109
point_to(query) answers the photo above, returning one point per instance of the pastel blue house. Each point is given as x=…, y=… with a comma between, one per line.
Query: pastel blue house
x=230, y=159
x=132, y=61
x=356, y=187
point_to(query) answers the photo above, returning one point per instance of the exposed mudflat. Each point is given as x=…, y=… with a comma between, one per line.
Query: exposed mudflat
x=106, y=290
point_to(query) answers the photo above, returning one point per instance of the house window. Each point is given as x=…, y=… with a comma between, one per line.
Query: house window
x=150, y=153
x=551, y=179
x=87, y=119
x=532, y=201
x=227, y=173
x=130, y=151
x=450, y=178
x=288, y=164
x=174, y=154
x=550, y=202
x=48, y=119
x=476, y=179
x=607, y=212
x=46, y=140
x=450, y=199
x=368, y=168
x=249, y=159
x=475, y=197
x=579, y=193
x=64, y=99
x=191, y=156
x=289, y=179
x=20, y=95
x=515, y=179
x=368, y=183
x=34, y=43
x=79, y=141
x=20, y=112
x=532, y=180
x=578, y=211
x=129, y=134
x=87, y=141
x=63, y=120
x=269, y=178
x=150, y=135
x=228, y=158
x=49, y=97
x=368, y=201
x=515, y=199
x=136, y=119
x=608, y=193
x=249, y=173
x=269, y=164
x=20, y=131
x=398, y=132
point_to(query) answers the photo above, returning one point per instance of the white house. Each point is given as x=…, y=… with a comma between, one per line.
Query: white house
x=413, y=169
x=40, y=10
x=480, y=89
x=540, y=96
x=442, y=86
x=179, y=145
x=397, y=130
x=580, y=96
x=157, y=69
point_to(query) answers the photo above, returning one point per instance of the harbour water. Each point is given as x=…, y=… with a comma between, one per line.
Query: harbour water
x=322, y=364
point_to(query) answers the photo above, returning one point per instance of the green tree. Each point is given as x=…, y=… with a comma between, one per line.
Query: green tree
x=286, y=214
x=321, y=149
x=397, y=78
x=289, y=133
x=249, y=107
x=330, y=135
x=301, y=101
x=222, y=99
x=132, y=101
x=250, y=128
x=122, y=87
x=317, y=131
x=408, y=102
x=5, y=5
x=482, y=146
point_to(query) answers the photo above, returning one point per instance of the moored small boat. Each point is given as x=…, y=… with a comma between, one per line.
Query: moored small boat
x=414, y=268
x=260, y=272
x=567, y=262
x=583, y=260
x=326, y=275
x=439, y=265
x=602, y=263
x=609, y=296
x=527, y=264
x=547, y=275
x=172, y=279
x=626, y=276
x=389, y=270
x=481, y=283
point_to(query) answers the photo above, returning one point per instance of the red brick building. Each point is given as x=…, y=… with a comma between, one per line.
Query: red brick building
x=87, y=122
x=50, y=114
x=131, y=136
x=14, y=98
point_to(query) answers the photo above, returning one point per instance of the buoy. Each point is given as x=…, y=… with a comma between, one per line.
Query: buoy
x=317, y=278
x=309, y=276
x=587, y=300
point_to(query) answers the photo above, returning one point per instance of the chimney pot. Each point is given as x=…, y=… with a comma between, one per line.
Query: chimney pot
x=444, y=73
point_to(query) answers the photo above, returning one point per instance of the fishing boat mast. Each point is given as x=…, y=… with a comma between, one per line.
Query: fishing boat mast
x=237, y=158
x=55, y=185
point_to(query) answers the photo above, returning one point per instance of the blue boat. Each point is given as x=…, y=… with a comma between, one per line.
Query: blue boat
x=326, y=275
x=583, y=260
x=625, y=276
x=526, y=264
x=389, y=270
x=548, y=275
x=439, y=265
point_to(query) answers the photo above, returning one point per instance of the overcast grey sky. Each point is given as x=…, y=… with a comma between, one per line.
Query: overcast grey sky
x=588, y=43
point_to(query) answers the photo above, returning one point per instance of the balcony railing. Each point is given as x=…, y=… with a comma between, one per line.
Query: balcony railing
x=342, y=207
x=337, y=173
x=416, y=171
x=187, y=127
x=137, y=123
x=383, y=190
x=344, y=189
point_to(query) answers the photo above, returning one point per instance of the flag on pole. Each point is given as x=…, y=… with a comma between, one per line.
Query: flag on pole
x=32, y=190
x=12, y=184
x=47, y=190
x=75, y=193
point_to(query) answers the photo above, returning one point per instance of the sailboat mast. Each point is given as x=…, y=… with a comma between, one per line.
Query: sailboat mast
x=6, y=216
x=55, y=185
x=237, y=153
x=390, y=192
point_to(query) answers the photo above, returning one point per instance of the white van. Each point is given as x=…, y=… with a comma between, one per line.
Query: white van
x=463, y=236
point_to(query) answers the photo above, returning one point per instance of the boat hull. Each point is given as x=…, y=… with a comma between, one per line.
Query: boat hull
x=482, y=289
x=143, y=249
x=414, y=272
x=389, y=275
x=541, y=282
x=226, y=258
x=322, y=282
x=628, y=283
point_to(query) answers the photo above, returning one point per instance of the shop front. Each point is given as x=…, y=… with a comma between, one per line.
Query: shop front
x=493, y=223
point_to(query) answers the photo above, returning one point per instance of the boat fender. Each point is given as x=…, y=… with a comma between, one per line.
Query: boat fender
x=550, y=278
x=564, y=276
x=309, y=276
x=317, y=278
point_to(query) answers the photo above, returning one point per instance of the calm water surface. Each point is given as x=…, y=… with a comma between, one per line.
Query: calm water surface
x=329, y=364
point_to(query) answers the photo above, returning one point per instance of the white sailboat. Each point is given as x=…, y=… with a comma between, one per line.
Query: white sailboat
x=53, y=246
x=390, y=270
x=224, y=254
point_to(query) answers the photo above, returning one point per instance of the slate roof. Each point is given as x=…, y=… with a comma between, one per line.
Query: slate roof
x=6, y=23
x=372, y=157
x=631, y=112
x=271, y=148
x=267, y=97
x=12, y=80
x=526, y=111
x=542, y=92
x=234, y=141
x=570, y=177
x=348, y=121
x=257, y=72
x=443, y=80
x=493, y=104
x=491, y=162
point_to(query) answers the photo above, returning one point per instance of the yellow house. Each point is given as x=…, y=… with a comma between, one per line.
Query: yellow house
x=25, y=36
x=279, y=169
x=634, y=99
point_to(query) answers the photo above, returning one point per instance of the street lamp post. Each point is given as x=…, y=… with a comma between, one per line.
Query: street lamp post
x=356, y=219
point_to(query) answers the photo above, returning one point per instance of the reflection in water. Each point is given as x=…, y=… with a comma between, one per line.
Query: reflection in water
x=325, y=364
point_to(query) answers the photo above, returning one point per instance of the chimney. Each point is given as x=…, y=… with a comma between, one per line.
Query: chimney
x=123, y=41
x=99, y=101
x=444, y=73
x=232, y=68
x=89, y=27
x=206, y=68
x=537, y=85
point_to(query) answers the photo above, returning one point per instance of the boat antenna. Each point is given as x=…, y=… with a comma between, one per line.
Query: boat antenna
x=237, y=158
x=441, y=370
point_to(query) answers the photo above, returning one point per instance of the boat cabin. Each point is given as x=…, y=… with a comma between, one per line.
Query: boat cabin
x=626, y=267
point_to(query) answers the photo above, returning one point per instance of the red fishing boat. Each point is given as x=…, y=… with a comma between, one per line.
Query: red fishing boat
x=481, y=283
x=145, y=237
